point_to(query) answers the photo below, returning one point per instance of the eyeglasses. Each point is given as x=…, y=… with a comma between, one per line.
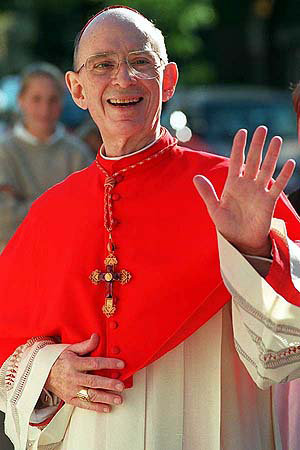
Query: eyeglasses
x=141, y=64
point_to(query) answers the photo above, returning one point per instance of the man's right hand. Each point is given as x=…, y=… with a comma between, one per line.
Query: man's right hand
x=69, y=375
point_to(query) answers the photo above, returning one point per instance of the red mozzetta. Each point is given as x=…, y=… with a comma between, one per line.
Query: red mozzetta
x=164, y=237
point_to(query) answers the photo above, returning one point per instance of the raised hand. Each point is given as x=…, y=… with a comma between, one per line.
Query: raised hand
x=244, y=212
x=69, y=375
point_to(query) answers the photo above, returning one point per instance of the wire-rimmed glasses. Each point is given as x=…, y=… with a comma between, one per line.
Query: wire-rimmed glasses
x=144, y=64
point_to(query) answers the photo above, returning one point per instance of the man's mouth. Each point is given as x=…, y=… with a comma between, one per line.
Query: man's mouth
x=124, y=101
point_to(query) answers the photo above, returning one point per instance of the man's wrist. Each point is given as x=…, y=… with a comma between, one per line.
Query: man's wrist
x=264, y=251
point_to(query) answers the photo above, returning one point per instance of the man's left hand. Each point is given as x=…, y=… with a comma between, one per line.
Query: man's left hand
x=244, y=212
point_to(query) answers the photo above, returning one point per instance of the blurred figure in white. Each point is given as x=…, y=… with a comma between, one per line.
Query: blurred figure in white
x=294, y=197
x=38, y=152
x=287, y=394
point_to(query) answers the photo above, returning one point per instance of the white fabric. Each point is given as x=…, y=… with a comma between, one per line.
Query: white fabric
x=264, y=323
x=22, y=133
x=47, y=407
x=19, y=401
x=29, y=167
x=287, y=404
x=199, y=396
x=116, y=158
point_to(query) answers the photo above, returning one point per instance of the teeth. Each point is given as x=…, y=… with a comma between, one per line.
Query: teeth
x=118, y=101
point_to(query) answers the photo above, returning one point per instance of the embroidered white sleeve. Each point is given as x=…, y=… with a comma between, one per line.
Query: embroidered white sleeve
x=266, y=326
x=22, y=378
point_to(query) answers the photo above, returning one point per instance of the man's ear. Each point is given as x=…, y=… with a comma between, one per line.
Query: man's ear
x=76, y=89
x=169, y=81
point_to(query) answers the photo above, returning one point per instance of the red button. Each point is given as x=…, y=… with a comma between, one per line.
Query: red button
x=116, y=222
x=115, y=196
x=115, y=350
x=113, y=325
x=119, y=178
x=115, y=374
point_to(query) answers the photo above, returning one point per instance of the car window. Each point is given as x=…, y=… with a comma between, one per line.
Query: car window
x=222, y=120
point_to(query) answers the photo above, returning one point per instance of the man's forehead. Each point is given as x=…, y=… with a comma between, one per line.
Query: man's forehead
x=109, y=26
x=114, y=10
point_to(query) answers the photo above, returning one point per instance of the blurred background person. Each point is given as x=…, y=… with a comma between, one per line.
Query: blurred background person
x=287, y=395
x=294, y=197
x=38, y=151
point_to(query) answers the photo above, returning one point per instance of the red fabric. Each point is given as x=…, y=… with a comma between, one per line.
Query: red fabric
x=279, y=276
x=164, y=237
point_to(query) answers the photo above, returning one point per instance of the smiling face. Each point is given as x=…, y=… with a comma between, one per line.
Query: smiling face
x=125, y=108
x=40, y=104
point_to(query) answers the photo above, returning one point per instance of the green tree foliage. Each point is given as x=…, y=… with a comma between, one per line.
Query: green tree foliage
x=183, y=24
x=51, y=26
x=230, y=41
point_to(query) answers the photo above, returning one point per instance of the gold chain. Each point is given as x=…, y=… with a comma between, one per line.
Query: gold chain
x=110, y=276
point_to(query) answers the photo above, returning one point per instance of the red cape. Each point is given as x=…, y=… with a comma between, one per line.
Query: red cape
x=164, y=237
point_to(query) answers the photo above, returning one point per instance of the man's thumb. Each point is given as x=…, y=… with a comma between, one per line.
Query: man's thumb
x=207, y=192
x=84, y=347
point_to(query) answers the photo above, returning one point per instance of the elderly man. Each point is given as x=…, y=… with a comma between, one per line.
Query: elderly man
x=116, y=327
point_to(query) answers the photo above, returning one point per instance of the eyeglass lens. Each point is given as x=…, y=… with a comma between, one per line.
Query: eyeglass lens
x=143, y=64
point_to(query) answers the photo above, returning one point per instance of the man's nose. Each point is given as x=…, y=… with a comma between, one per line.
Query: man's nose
x=123, y=76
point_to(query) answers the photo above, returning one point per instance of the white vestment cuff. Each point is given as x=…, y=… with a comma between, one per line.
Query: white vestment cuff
x=266, y=326
x=34, y=365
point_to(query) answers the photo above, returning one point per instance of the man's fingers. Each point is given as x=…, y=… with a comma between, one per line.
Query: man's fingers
x=84, y=347
x=98, y=382
x=207, y=192
x=283, y=178
x=269, y=164
x=237, y=156
x=254, y=156
x=91, y=406
x=99, y=400
x=98, y=363
x=101, y=396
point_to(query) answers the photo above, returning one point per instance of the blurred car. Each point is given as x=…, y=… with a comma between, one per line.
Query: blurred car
x=207, y=118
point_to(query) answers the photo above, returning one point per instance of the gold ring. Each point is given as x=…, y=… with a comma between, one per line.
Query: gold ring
x=83, y=394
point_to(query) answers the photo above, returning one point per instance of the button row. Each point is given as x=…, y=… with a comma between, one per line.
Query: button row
x=113, y=324
x=115, y=196
x=115, y=350
x=119, y=178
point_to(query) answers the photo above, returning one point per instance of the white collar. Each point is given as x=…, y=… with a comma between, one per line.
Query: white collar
x=22, y=133
x=116, y=158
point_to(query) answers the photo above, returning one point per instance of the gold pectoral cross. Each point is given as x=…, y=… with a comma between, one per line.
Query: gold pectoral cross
x=109, y=277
